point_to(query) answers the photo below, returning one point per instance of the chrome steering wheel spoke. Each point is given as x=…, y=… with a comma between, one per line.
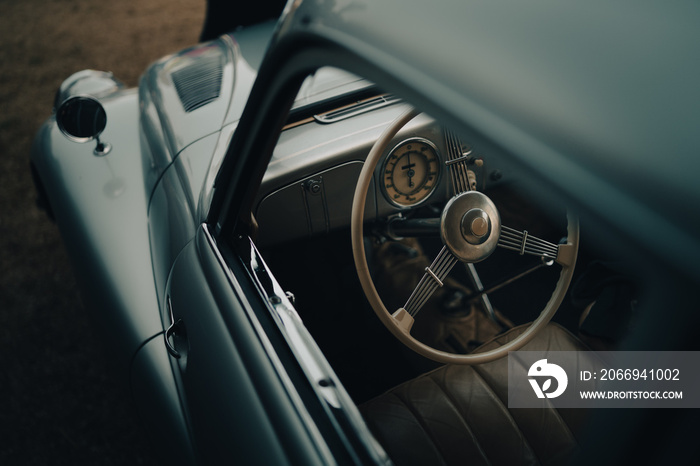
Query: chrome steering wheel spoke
x=457, y=164
x=525, y=243
x=434, y=278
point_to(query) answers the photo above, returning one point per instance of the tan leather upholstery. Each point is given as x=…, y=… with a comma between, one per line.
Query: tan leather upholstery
x=458, y=415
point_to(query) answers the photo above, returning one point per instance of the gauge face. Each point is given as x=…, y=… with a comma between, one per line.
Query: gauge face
x=411, y=172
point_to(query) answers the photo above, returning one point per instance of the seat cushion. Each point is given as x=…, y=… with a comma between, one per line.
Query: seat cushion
x=459, y=414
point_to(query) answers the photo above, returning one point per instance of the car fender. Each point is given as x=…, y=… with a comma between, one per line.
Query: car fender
x=100, y=208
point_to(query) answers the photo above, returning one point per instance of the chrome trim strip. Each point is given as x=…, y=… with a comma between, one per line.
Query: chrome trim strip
x=296, y=400
x=356, y=109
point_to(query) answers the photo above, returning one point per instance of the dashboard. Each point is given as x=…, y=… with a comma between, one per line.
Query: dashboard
x=310, y=182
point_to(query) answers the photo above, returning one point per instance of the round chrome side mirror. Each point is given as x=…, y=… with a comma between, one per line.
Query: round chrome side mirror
x=82, y=119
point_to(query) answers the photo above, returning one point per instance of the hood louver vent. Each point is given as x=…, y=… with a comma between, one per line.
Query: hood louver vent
x=199, y=83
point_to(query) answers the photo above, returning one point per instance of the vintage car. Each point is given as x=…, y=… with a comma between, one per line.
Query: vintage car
x=315, y=241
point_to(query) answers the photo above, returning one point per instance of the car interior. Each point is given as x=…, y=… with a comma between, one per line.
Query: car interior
x=303, y=222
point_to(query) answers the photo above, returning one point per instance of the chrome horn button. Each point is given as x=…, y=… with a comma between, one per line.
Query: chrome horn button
x=476, y=226
x=470, y=226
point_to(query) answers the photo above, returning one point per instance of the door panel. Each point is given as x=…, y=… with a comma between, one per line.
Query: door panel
x=238, y=406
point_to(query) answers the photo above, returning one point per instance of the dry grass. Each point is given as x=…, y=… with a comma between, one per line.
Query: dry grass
x=59, y=403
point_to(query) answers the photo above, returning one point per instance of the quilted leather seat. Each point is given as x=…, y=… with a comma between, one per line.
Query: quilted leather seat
x=458, y=415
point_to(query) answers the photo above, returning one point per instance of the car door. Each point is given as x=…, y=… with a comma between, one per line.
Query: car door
x=255, y=387
x=240, y=404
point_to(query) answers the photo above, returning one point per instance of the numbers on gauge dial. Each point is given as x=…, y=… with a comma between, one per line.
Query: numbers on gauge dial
x=411, y=172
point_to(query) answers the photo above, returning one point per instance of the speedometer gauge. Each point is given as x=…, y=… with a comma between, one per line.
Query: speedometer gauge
x=411, y=172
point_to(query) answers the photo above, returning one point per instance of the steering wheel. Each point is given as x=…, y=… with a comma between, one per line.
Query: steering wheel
x=470, y=229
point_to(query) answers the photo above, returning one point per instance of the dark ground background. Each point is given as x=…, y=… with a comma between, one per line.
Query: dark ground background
x=59, y=401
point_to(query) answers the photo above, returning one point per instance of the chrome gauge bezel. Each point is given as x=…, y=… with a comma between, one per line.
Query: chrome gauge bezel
x=385, y=162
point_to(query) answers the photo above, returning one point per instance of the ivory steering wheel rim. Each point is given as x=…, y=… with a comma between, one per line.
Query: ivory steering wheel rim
x=395, y=325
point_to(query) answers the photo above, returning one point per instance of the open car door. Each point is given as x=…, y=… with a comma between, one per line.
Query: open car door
x=248, y=394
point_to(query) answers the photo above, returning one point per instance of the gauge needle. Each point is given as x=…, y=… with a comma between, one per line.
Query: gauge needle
x=410, y=173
